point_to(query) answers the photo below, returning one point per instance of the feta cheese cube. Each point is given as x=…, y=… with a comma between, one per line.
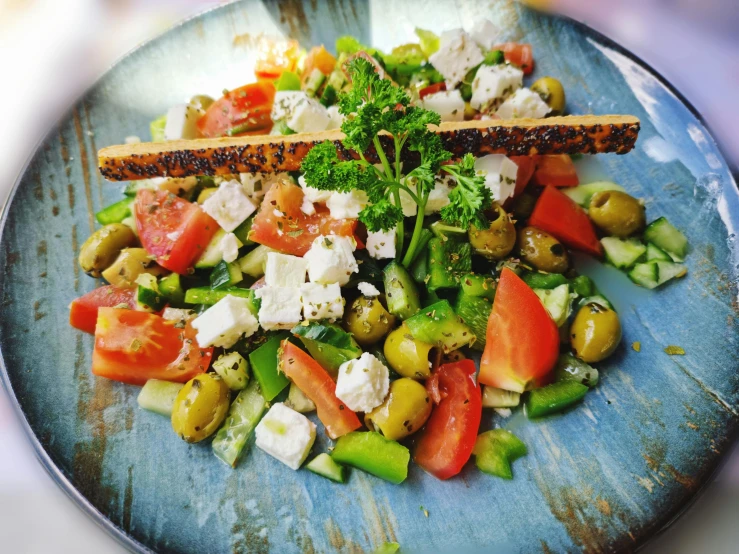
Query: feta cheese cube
x=307, y=206
x=347, y=205
x=177, y=314
x=335, y=118
x=363, y=383
x=368, y=289
x=486, y=34
x=317, y=196
x=500, y=175
x=439, y=195
x=457, y=54
x=309, y=116
x=493, y=84
x=381, y=244
x=229, y=205
x=286, y=435
x=280, y=308
x=225, y=322
x=283, y=270
x=322, y=301
x=524, y=103
x=331, y=260
x=285, y=103
x=230, y=247
x=449, y=104
x=256, y=185
x=181, y=120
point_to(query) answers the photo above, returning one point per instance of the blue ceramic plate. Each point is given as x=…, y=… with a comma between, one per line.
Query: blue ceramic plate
x=603, y=477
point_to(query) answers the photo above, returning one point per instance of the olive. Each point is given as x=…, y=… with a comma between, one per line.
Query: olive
x=129, y=264
x=404, y=411
x=205, y=194
x=552, y=92
x=201, y=101
x=368, y=320
x=200, y=407
x=542, y=250
x=595, y=333
x=617, y=213
x=103, y=246
x=498, y=239
x=406, y=355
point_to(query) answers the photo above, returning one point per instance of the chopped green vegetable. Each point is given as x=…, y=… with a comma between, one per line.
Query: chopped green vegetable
x=314, y=82
x=328, y=344
x=148, y=296
x=570, y=368
x=208, y=297
x=475, y=312
x=495, y=450
x=554, y=398
x=623, y=253
x=448, y=261
x=440, y=326
x=253, y=263
x=325, y=466
x=538, y=280
x=498, y=398
x=582, y=285
x=667, y=237
x=297, y=400
x=245, y=412
x=655, y=273
x=242, y=232
x=264, y=365
x=373, y=453
x=657, y=254
x=156, y=128
x=429, y=41
x=171, y=288
x=288, y=81
x=479, y=286
x=115, y=213
x=158, y=396
x=233, y=369
x=584, y=193
x=401, y=292
x=329, y=95
x=557, y=302
x=225, y=274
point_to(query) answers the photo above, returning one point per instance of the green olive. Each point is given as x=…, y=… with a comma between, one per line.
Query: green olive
x=595, y=333
x=103, y=246
x=200, y=407
x=201, y=101
x=368, y=320
x=406, y=355
x=552, y=92
x=405, y=410
x=129, y=264
x=542, y=250
x=617, y=213
x=496, y=241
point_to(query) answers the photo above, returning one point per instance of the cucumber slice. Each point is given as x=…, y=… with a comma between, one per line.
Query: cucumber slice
x=475, y=312
x=115, y=213
x=584, y=193
x=148, y=296
x=329, y=96
x=213, y=253
x=656, y=253
x=595, y=299
x=297, y=400
x=440, y=326
x=233, y=369
x=171, y=287
x=324, y=465
x=158, y=396
x=645, y=275
x=337, y=79
x=667, y=237
x=669, y=270
x=493, y=397
x=245, y=412
x=314, y=82
x=623, y=253
x=401, y=292
x=554, y=398
x=225, y=275
x=242, y=232
x=253, y=263
x=441, y=229
x=480, y=286
x=557, y=302
x=495, y=450
x=207, y=296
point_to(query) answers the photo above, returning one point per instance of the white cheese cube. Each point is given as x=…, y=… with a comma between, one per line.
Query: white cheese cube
x=500, y=175
x=381, y=244
x=230, y=247
x=307, y=206
x=493, y=84
x=309, y=116
x=286, y=435
x=229, y=205
x=225, y=322
x=315, y=195
x=322, y=301
x=280, y=308
x=486, y=34
x=283, y=270
x=363, y=383
x=347, y=205
x=256, y=185
x=335, y=118
x=457, y=54
x=285, y=103
x=439, y=195
x=181, y=122
x=177, y=314
x=449, y=104
x=331, y=260
x=523, y=103
x=368, y=289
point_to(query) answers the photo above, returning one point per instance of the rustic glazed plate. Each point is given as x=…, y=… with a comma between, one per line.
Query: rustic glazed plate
x=603, y=477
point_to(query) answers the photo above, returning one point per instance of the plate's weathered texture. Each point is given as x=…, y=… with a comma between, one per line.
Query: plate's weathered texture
x=603, y=477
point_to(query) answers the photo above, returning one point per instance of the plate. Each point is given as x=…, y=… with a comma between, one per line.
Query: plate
x=603, y=477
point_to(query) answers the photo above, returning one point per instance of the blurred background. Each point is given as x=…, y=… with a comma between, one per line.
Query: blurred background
x=50, y=51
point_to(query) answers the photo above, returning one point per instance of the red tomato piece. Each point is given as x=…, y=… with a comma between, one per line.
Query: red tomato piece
x=83, y=311
x=240, y=111
x=133, y=347
x=449, y=437
x=172, y=229
x=318, y=58
x=432, y=89
x=518, y=54
x=280, y=224
x=317, y=385
x=526, y=166
x=276, y=56
x=556, y=170
x=562, y=218
x=522, y=339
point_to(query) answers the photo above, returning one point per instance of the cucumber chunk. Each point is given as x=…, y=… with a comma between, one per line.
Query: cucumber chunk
x=448, y=261
x=328, y=344
x=493, y=397
x=667, y=237
x=554, y=398
x=233, y=369
x=208, y=296
x=655, y=273
x=245, y=412
x=441, y=230
x=401, y=292
x=557, y=302
x=570, y=368
x=171, y=287
x=297, y=400
x=479, y=285
x=325, y=466
x=329, y=96
x=495, y=450
x=314, y=82
x=225, y=275
x=623, y=253
x=583, y=193
x=439, y=325
x=158, y=396
x=148, y=296
x=656, y=253
x=213, y=253
x=253, y=263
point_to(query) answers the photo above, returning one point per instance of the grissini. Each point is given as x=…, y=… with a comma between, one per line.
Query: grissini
x=587, y=134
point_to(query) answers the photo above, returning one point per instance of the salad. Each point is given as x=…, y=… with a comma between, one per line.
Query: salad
x=392, y=302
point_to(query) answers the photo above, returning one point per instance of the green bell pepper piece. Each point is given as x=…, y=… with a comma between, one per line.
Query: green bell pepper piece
x=264, y=364
x=495, y=450
x=554, y=398
x=243, y=416
x=115, y=213
x=373, y=453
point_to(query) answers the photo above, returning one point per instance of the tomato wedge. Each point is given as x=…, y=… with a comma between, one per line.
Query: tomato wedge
x=518, y=54
x=562, y=218
x=275, y=56
x=522, y=340
x=318, y=58
x=556, y=170
x=172, y=229
x=242, y=110
x=133, y=347
x=432, y=89
x=280, y=224
x=450, y=433
x=317, y=385
x=83, y=311
x=526, y=166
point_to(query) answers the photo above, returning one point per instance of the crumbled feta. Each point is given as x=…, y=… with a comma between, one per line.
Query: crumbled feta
x=322, y=301
x=368, y=289
x=225, y=322
x=181, y=122
x=457, y=54
x=335, y=118
x=331, y=260
x=308, y=116
x=317, y=196
x=280, y=307
x=307, y=206
x=177, y=314
x=256, y=185
x=283, y=270
x=229, y=205
x=493, y=84
x=523, y=103
x=363, y=383
x=381, y=244
x=500, y=175
x=485, y=33
x=286, y=435
x=347, y=205
x=285, y=103
x=449, y=104
x=230, y=247
x=439, y=195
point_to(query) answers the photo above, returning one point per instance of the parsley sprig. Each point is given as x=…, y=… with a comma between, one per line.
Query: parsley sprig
x=375, y=107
